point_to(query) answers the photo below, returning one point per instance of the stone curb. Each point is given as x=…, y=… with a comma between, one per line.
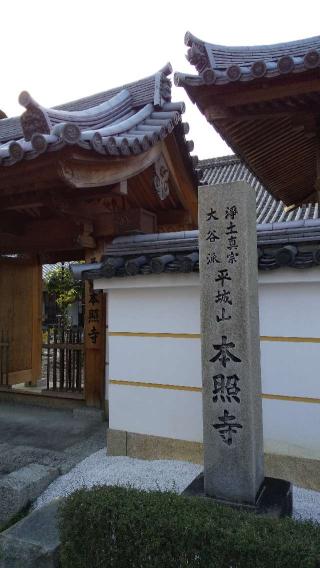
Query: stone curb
x=34, y=541
x=22, y=486
x=88, y=414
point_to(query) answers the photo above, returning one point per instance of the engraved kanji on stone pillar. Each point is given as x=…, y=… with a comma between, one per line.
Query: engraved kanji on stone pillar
x=232, y=410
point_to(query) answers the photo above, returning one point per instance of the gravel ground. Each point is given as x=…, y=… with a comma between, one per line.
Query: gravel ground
x=100, y=469
x=306, y=504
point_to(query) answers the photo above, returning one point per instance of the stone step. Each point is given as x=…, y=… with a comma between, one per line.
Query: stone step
x=21, y=487
x=14, y=457
x=89, y=414
x=34, y=541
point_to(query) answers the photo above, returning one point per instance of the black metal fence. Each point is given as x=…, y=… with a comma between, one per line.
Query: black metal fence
x=63, y=359
x=4, y=359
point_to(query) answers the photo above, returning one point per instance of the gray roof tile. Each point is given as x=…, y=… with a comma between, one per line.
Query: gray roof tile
x=122, y=121
x=220, y=64
x=276, y=228
x=229, y=169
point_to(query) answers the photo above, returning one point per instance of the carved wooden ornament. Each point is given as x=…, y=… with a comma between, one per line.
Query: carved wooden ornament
x=161, y=178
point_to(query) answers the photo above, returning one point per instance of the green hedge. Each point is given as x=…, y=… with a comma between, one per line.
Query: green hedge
x=113, y=527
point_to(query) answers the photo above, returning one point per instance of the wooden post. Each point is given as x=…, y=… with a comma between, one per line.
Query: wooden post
x=36, y=369
x=94, y=339
x=317, y=183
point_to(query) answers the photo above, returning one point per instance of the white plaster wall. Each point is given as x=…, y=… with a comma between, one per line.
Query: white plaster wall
x=160, y=412
x=154, y=309
x=291, y=369
x=292, y=428
x=156, y=360
x=289, y=307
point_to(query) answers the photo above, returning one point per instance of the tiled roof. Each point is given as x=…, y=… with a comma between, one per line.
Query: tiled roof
x=221, y=64
x=269, y=210
x=297, y=247
x=124, y=121
x=10, y=129
x=284, y=238
x=142, y=92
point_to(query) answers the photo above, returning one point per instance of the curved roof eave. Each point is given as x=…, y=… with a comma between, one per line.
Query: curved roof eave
x=117, y=126
x=220, y=64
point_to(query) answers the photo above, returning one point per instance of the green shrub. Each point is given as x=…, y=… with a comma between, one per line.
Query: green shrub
x=114, y=527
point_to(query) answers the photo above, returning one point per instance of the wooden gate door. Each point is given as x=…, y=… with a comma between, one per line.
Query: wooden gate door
x=21, y=318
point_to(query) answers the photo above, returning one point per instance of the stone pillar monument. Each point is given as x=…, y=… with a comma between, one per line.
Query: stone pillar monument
x=232, y=407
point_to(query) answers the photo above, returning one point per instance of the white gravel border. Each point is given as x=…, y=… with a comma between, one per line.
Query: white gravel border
x=100, y=469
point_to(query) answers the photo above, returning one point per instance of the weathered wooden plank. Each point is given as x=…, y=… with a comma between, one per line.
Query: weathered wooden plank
x=16, y=298
x=17, y=377
x=95, y=339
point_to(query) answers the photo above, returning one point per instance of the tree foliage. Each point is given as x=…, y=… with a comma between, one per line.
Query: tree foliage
x=60, y=282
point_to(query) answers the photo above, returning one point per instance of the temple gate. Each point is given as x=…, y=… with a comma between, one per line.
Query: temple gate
x=72, y=178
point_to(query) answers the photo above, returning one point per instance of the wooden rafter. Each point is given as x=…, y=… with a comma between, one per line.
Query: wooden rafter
x=265, y=103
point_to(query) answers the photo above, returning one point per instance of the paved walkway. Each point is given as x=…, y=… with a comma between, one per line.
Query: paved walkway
x=51, y=437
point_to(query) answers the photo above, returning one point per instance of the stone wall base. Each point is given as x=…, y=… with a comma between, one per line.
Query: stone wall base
x=121, y=443
x=299, y=471
x=40, y=399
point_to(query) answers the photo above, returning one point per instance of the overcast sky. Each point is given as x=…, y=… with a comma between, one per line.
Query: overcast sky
x=67, y=49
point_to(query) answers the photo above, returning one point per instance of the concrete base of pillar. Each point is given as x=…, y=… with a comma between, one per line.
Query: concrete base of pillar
x=274, y=498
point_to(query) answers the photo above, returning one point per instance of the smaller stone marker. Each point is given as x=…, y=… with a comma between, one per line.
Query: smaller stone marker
x=232, y=407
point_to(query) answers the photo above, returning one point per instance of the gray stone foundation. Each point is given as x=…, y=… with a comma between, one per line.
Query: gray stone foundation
x=300, y=471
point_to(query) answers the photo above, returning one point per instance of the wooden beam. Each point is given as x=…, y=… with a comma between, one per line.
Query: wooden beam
x=81, y=205
x=45, y=172
x=233, y=95
x=61, y=256
x=48, y=235
x=10, y=245
x=23, y=201
x=85, y=207
x=21, y=177
x=174, y=217
x=183, y=185
x=12, y=223
x=125, y=222
x=78, y=172
x=217, y=112
x=103, y=192
x=24, y=260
